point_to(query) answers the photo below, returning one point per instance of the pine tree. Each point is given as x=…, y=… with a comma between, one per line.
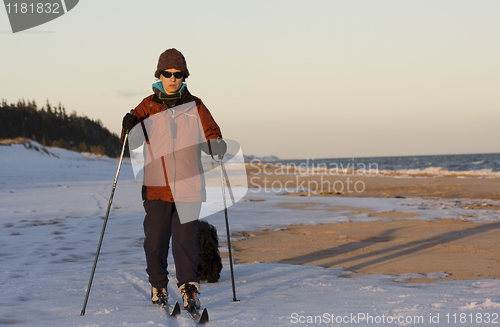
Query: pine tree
x=52, y=126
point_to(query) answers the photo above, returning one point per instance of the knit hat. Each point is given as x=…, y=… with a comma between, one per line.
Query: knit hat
x=171, y=59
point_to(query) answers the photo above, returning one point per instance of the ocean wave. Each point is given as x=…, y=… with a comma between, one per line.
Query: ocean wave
x=287, y=169
x=440, y=172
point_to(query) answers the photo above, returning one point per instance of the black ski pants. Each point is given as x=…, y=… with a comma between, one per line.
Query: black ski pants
x=160, y=225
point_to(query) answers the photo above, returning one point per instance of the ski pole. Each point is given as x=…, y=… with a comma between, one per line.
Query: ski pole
x=224, y=183
x=104, y=224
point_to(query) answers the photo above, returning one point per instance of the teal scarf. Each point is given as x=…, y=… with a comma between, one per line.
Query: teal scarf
x=159, y=86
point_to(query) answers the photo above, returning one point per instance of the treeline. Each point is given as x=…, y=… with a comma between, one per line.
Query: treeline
x=52, y=126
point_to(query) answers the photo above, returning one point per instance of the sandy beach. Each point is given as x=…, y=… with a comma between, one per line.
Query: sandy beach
x=456, y=248
x=375, y=184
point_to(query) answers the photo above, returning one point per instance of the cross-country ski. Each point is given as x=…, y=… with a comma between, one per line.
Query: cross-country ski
x=200, y=318
x=172, y=309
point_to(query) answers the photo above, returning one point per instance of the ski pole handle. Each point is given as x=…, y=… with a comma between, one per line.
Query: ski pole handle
x=218, y=142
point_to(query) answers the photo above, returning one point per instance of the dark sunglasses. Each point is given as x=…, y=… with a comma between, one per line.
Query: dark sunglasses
x=177, y=75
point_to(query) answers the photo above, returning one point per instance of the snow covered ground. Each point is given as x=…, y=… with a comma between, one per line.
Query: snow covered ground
x=51, y=209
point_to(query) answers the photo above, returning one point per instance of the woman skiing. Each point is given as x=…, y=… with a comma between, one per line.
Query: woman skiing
x=174, y=126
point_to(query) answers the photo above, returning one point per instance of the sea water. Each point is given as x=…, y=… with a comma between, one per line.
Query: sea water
x=488, y=163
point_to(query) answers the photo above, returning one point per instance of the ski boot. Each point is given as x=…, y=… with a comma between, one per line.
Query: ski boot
x=159, y=296
x=189, y=292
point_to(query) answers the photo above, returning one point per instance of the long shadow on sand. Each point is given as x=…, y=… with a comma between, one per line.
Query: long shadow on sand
x=391, y=253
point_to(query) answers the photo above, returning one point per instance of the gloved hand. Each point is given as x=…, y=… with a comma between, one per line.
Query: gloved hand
x=129, y=121
x=218, y=146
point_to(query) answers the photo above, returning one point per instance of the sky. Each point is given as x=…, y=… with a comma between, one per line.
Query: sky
x=291, y=78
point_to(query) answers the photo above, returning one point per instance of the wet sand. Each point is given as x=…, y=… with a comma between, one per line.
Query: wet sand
x=430, y=187
x=461, y=249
